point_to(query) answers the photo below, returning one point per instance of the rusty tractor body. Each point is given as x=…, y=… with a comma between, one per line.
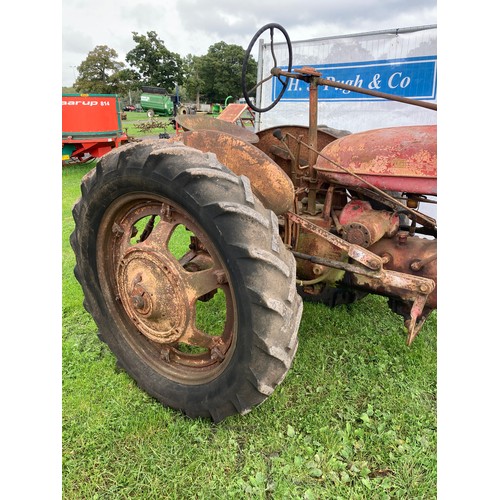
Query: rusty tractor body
x=345, y=206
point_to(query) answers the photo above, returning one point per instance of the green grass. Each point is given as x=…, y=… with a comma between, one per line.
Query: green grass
x=131, y=128
x=355, y=418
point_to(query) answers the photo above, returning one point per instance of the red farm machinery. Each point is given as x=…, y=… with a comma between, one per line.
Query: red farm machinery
x=250, y=225
x=91, y=126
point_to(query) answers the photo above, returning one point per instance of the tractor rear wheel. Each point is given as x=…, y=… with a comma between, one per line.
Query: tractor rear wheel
x=186, y=277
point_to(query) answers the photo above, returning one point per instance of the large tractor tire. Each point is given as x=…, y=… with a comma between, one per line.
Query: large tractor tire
x=209, y=329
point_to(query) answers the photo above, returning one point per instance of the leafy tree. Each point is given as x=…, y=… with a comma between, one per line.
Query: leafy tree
x=193, y=84
x=154, y=63
x=126, y=80
x=96, y=72
x=220, y=70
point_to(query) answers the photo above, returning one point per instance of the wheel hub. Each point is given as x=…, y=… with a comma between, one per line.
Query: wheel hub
x=152, y=294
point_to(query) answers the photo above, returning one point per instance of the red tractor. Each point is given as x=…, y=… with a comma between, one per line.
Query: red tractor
x=195, y=252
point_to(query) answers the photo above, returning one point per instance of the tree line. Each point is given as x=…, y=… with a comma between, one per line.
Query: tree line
x=213, y=76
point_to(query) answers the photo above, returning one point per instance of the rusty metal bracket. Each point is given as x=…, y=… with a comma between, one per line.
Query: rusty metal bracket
x=356, y=252
x=413, y=285
x=409, y=287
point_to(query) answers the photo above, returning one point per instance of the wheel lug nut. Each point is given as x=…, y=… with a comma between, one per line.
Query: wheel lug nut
x=138, y=301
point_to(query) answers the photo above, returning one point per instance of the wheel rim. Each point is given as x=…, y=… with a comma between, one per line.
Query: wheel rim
x=166, y=289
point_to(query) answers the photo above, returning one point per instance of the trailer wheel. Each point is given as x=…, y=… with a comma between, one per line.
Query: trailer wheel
x=186, y=277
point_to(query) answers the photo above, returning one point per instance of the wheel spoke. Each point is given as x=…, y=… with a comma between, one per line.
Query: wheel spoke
x=200, y=283
x=159, y=238
x=260, y=83
x=196, y=338
x=147, y=230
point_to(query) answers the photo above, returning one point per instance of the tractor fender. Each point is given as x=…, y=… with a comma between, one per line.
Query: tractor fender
x=269, y=182
x=392, y=159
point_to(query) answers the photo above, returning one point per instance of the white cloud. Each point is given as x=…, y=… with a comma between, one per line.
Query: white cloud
x=191, y=26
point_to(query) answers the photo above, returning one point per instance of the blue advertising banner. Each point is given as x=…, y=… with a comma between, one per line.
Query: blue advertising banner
x=411, y=77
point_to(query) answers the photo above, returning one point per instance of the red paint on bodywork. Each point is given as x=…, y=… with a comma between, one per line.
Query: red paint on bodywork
x=393, y=159
x=90, y=115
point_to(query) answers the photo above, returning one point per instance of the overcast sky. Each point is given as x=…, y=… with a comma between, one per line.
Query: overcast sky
x=191, y=26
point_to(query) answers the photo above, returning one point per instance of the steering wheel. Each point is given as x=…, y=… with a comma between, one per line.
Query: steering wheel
x=284, y=83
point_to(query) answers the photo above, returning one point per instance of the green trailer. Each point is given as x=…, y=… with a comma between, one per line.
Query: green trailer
x=157, y=101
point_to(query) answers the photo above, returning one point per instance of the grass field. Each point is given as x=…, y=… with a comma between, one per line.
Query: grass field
x=132, y=125
x=355, y=418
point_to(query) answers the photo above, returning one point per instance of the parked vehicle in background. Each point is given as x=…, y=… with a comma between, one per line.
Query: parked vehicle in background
x=157, y=101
